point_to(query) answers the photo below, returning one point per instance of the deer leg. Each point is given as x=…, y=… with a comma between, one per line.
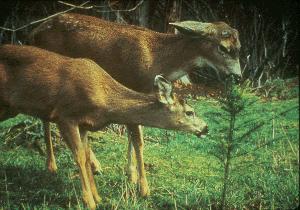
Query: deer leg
x=83, y=134
x=138, y=144
x=95, y=164
x=71, y=135
x=131, y=160
x=51, y=163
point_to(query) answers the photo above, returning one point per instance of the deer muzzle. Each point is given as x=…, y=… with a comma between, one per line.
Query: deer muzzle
x=202, y=133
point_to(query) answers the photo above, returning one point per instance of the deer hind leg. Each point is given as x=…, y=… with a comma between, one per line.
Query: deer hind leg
x=131, y=160
x=71, y=135
x=51, y=163
x=138, y=144
x=83, y=134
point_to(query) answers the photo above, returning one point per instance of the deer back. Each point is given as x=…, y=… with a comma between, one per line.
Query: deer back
x=133, y=55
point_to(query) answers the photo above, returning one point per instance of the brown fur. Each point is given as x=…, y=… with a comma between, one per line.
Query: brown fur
x=78, y=96
x=50, y=86
x=130, y=54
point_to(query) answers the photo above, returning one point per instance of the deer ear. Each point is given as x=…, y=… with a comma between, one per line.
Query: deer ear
x=164, y=92
x=194, y=28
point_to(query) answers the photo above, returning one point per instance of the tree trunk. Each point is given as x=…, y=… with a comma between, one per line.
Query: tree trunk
x=173, y=14
x=144, y=12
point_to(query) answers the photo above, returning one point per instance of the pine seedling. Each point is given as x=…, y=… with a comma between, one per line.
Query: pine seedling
x=238, y=132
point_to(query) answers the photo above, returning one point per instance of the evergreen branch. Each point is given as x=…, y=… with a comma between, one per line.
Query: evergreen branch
x=212, y=115
x=250, y=103
x=246, y=123
x=251, y=130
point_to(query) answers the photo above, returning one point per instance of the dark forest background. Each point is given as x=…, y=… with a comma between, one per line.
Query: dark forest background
x=268, y=29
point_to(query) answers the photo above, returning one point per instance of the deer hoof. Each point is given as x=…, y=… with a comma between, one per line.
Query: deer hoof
x=144, y=188
x=97, y=171
x=52, y=168
x=96, y=168
x=145, y=192
x=97, y=199
x=89, y=201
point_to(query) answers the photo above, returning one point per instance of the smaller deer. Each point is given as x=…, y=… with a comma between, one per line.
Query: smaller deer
x=79, y=96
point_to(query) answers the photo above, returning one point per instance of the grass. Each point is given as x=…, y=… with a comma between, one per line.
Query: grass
x=184, y=172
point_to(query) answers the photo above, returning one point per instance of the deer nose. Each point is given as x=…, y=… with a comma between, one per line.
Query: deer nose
x=203, y=132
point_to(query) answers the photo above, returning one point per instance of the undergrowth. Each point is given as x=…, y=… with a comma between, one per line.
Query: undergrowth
x=184, y=171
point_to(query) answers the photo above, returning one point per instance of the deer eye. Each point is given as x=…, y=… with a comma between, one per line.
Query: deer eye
x=225, y=34
x=190, y=113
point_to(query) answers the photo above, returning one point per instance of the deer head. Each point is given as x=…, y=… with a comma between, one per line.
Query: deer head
x=224, y=47
x=174, y=113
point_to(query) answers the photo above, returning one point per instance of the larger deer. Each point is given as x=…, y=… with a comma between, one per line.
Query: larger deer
x=133, y=56
x=79, y=96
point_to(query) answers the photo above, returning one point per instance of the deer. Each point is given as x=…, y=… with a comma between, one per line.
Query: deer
x=135, y=55
x=79, y=96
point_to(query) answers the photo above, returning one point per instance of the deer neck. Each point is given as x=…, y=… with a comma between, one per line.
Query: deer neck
x=131, y=108
x=177, y=55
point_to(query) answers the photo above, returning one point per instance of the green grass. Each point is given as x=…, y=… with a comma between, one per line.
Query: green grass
x=184, y=171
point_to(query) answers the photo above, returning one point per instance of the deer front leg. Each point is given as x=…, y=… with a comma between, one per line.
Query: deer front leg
x=70, y=133
x=131, y=160
x=83, y=134
x=51, y=163
x=138, y=144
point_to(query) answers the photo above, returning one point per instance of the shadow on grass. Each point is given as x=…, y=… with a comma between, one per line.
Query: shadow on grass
x=33, y=188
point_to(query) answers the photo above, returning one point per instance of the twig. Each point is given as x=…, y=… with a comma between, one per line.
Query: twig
x=78, y=7
x=81, y=6
x=125, y=10
x=109, y=5
x=43, y=19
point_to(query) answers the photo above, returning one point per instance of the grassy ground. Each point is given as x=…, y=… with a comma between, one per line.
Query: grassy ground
x=184, y=171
